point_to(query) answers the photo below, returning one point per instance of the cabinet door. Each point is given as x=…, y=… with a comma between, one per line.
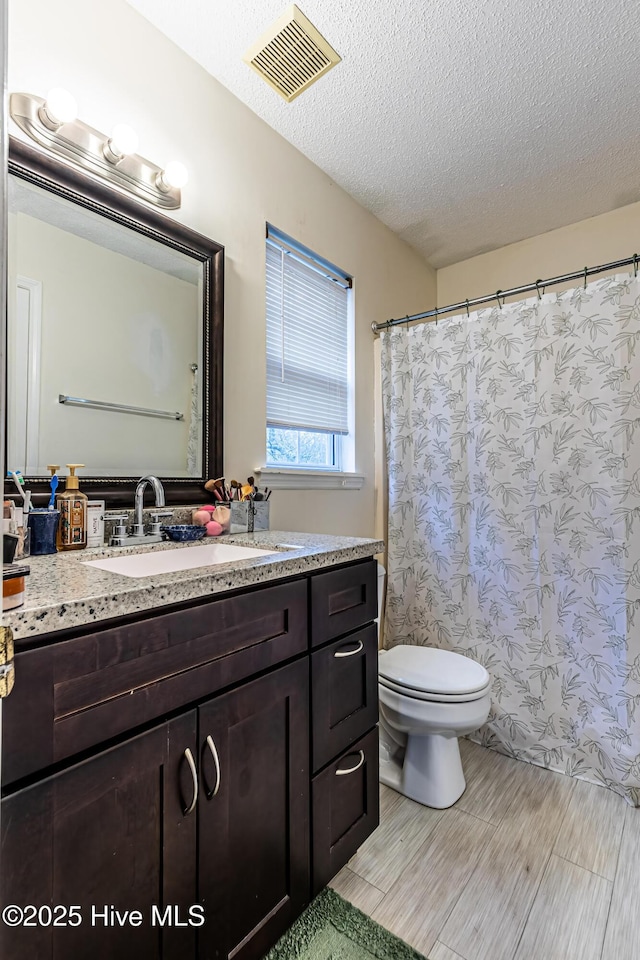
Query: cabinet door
x=110, y=832
x=253, y=849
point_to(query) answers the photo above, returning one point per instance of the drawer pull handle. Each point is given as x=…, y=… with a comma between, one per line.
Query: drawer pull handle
x=343, y=773
x=349, y=653
x=216, y=761
x=194, y=776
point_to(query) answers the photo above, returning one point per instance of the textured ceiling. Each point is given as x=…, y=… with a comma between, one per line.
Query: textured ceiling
x=463, y=125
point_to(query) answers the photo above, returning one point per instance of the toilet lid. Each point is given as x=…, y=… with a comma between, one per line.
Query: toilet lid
x=432, y=671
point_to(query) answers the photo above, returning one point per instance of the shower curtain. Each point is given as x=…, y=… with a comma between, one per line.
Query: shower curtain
x=513, y=450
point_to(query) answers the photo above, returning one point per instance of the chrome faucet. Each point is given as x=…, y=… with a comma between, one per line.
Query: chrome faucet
x=120, y=536
x=158, y=489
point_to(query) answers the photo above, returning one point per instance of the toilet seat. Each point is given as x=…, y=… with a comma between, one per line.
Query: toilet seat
x=433, y=697
x=428, y=673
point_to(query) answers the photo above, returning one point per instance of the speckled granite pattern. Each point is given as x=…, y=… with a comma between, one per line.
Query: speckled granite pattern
x=63, y=593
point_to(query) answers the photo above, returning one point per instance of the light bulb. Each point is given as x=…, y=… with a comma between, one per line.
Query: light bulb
x=123, y=141
x=175, y=174
x=59, y=107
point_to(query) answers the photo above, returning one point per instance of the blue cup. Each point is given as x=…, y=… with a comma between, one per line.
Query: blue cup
x=44, y=527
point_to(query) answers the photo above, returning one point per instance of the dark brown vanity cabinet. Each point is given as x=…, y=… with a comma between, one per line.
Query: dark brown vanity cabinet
x=200, y=757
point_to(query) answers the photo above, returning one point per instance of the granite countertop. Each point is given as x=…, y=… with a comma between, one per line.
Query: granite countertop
x=63, y=593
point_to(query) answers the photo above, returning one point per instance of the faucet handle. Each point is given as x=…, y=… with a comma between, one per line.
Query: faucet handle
x=158, y=515
x=120, y=520
x=119, y=531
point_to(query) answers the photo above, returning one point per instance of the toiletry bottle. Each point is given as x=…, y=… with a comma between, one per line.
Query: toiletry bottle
x=72, y=504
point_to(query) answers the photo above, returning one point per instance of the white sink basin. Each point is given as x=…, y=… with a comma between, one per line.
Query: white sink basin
x=170, y=561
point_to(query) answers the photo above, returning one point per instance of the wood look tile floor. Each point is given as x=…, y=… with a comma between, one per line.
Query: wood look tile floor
x=528, y=865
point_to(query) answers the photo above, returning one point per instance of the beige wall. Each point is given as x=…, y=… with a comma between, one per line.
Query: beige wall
x=242, y=174
x=611, y=236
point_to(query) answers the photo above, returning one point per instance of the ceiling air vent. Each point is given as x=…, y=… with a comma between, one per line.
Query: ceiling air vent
x=291, y=55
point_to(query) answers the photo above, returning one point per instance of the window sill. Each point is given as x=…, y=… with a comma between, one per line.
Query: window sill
x=278, y=479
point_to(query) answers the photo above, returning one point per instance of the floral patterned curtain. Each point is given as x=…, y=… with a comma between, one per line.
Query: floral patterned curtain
x=513, y=449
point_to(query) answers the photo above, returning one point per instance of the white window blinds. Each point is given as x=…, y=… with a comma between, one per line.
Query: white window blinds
x=307, y=341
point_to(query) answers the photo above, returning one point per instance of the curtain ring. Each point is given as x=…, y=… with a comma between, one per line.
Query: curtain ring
x=585, y=277
x=635, y=266
x=467, y=308
x=436, y=316
x=498, y=292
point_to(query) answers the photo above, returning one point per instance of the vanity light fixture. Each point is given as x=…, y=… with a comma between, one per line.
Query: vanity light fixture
x=53, y=124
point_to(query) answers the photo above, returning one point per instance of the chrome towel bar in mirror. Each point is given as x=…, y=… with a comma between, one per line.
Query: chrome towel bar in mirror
x=120, y=407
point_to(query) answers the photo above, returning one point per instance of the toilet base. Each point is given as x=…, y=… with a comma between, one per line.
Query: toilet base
x=430, y=771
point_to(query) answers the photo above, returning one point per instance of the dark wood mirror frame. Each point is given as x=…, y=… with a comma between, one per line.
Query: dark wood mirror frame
x=66, y=182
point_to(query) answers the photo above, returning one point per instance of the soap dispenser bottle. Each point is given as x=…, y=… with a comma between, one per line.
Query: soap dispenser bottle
x=72, y=504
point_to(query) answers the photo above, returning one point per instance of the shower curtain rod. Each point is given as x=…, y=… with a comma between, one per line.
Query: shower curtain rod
x=501, y=295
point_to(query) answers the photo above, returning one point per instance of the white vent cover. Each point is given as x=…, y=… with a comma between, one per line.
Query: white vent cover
x=291, y=55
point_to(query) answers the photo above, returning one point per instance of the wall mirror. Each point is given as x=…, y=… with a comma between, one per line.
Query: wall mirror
x=114, y=337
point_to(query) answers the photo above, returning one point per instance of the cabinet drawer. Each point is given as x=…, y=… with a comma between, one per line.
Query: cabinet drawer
x=343, y=600
x=345, y=807
x=344, y=691
x=74, y=694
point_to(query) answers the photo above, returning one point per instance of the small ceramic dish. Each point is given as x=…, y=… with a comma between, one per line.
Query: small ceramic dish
x=183, y=532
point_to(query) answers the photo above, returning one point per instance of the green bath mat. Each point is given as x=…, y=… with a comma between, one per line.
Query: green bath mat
x=331, y=929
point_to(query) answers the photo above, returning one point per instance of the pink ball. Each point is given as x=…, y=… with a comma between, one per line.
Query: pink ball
x=201, y=517
x=208, y=507
x=213, y=529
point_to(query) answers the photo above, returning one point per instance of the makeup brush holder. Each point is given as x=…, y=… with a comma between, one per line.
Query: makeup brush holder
x=249, y=516
x=43, y=525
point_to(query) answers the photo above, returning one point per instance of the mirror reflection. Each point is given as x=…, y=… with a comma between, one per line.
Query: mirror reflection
x=98, y=312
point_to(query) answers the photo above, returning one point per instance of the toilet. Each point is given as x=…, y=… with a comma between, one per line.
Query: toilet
x=428, y=698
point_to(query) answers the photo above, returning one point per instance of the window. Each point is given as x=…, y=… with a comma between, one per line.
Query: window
x=308, y=358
